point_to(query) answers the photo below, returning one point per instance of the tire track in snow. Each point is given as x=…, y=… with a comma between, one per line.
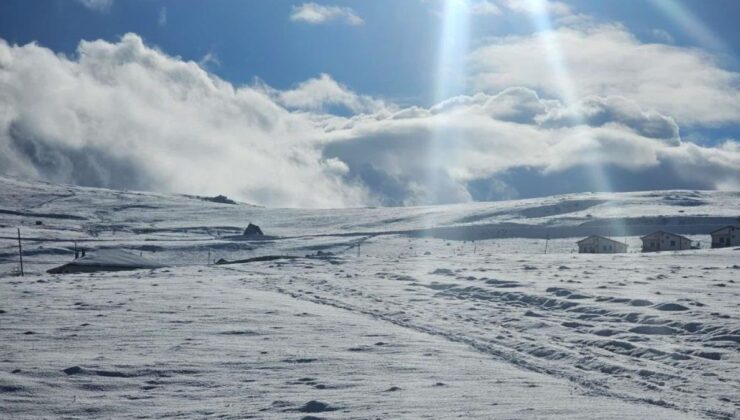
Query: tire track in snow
x=589, y=387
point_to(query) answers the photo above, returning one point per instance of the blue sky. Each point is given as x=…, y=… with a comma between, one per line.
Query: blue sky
x=393, y=54
x=344, y=68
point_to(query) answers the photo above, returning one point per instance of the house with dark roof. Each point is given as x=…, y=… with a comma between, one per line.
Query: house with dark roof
x=596, y=244
x=106, y=260
x=665, y=241
x=726, y=236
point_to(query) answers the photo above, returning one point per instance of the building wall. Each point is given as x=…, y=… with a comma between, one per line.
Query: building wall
x=588, y=246
x=663, y=241
x=600, y=246
x=728, y=236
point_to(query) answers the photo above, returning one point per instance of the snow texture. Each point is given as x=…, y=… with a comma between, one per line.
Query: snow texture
x=439, y=312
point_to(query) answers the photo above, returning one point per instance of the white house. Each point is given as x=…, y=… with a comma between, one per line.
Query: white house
x=596, y=244
x=727, y=236
x=664, y=241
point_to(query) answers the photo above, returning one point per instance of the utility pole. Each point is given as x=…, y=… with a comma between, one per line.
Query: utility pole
x=358, y=249
x=20, y=250
x=209, y=257
x=546, y=241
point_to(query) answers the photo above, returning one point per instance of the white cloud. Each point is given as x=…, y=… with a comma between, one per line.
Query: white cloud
x=598, y=112
x=551, y=7
x=606, y=60
x=322, y=93
x=314, y=13
x=128, y=116
x=162, y=18
x=485, y=8
x=433, y=155
x=97, y=5
x=209, y=60
x=663, y=36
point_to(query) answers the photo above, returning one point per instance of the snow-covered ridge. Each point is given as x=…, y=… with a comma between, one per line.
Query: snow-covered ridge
x=171, y=227
x=687, y=212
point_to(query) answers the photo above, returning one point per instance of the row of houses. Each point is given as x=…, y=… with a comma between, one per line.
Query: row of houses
x=658, y=241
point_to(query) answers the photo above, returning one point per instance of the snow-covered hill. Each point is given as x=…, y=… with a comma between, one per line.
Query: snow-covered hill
x=149, y=221
x=428, y=311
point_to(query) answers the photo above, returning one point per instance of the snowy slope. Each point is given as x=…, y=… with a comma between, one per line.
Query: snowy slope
x=417, y=321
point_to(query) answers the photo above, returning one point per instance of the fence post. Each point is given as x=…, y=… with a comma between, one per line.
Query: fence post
x=20, y=251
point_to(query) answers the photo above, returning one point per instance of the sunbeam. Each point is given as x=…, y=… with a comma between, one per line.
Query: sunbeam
x=449, y=81
x=557, y=62
x=453, y=48
x=370, y=209
x=558, y=65
x=693, y=26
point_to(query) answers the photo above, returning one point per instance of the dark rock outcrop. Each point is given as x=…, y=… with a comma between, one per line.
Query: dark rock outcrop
x=253, y=230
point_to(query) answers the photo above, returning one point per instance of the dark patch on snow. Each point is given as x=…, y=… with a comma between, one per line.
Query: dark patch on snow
x=74, y=370
x=653, y=330
x=709, y=355
x=671, y=307
x=302, y=360
x=240, y=332
x=314, y=406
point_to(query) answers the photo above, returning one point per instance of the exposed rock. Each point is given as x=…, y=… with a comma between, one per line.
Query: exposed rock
x=220, y=199
x=253, y=230
x=314, y=406
x=73, y=370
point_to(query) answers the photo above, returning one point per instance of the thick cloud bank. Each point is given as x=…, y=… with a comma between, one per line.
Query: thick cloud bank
x=126, y=115
x=475, y=147
x=687, y=84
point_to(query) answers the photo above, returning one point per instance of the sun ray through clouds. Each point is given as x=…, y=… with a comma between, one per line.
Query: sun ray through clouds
x=691, y=24
x=449, y=81
x=563, y=79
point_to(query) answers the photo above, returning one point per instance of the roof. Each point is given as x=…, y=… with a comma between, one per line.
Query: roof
x=723, y=228
x=107, y=260
x=601, y=237
x=667, y=233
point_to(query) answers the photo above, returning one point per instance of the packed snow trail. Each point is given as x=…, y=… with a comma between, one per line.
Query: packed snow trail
x=201, y=343
x=598, y=330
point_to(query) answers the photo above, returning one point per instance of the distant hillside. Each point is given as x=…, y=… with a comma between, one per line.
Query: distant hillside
x=81, y=211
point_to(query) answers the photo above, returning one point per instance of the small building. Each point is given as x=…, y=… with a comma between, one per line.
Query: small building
x=596, y=244
x=105, y=260
x=727, y=236
x=665, y=241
